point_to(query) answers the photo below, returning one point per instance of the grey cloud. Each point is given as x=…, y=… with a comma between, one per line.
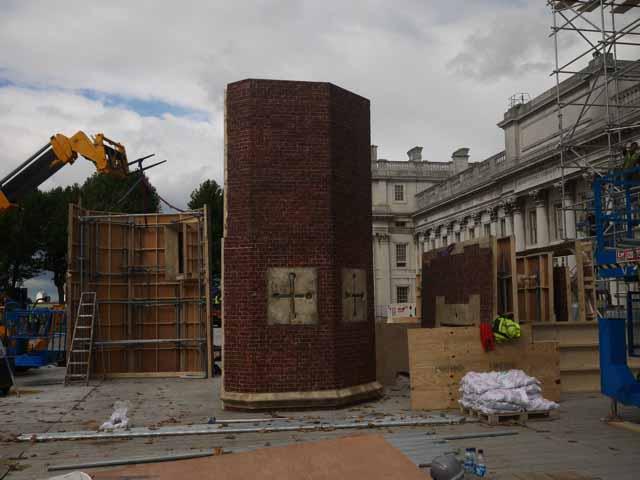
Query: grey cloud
x=509, y=46
x=394, y=53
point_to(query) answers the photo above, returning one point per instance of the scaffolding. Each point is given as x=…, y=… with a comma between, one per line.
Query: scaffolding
x=597, y=84
x=600, y=33
x=150, y=273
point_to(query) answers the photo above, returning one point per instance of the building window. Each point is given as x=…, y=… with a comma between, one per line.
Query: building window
x=503, y=227
x=433, y=244
x=457, y=236
x=559, y=221
x=398, y=193
x=533, y=228
x=487, y=229
x=401, y=224
x=445, y=241
x=402, y=294
x=401, y=255
x=472, y=233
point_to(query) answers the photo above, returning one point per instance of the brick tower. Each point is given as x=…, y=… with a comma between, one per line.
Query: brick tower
x=298, y=316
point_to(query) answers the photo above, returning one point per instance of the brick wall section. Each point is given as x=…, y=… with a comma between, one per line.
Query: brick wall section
x=456, y=277
x=298, y=195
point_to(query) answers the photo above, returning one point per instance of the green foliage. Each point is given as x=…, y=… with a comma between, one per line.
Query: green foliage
x=210, y=193
x=54, y=235
x=20, y=242
x=106, y=193
x=33, y=236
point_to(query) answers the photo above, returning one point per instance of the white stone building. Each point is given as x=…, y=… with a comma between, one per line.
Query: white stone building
x=396, y=185
x=517, y=191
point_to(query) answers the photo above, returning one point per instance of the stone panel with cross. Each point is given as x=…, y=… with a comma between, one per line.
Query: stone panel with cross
x=354, y=295
x=292, y=296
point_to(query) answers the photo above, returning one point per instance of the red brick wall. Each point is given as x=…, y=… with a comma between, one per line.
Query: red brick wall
x=298, y=195
x=456, y=277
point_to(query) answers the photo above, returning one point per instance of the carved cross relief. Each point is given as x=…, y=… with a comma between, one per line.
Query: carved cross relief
x=292, y=296
x=354, y=295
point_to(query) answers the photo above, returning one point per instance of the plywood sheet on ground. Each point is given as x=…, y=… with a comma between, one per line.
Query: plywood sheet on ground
x=440, y=357
x=364, y=457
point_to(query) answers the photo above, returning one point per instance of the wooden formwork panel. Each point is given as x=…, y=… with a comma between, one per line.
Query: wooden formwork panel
x=535, y=288
x=506, y=268
x=562, y=297
x=440, y=357
x=150, y=275
x=579, y=353
x=585, y=281
x=392, y=351
x=566, y=333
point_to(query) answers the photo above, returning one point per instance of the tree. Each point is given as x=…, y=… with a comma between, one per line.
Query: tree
x=209, y=193
x=54, y=236
x=133, y=194
x=33, y=236
x=20, y=242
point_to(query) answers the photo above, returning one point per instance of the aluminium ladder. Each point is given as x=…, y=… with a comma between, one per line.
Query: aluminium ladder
x=79, y=360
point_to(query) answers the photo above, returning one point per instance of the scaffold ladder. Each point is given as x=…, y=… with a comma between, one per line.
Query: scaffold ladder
x=79, y=359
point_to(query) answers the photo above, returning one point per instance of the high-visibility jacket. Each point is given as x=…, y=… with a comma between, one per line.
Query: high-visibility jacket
x=505, y=329
x=631, y=160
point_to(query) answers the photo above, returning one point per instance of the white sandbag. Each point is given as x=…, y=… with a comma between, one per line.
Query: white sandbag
x=508, y=391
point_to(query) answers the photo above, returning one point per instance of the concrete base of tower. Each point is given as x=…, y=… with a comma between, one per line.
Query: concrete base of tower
x=319, y=399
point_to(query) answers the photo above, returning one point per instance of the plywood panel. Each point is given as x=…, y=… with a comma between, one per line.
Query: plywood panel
x=458, y=314
x=507, y=288
x=392, y=351
x=439, y=358
x=535, y=288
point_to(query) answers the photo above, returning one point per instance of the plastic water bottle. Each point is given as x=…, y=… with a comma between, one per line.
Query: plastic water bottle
x=481, y=466
x=470, y=460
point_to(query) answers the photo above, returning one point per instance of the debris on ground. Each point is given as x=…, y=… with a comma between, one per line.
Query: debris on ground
x=277, y=425
x=118, y=419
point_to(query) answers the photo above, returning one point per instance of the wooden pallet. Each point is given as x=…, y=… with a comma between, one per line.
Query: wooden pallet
x=500, y=418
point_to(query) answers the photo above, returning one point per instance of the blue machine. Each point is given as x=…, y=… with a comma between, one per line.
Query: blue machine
x=617, y=259
x=34, y=337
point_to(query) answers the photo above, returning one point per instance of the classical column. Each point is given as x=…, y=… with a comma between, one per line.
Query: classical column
x=542, y=223
x=419, y=250
x=569, y=213
x=470, y=227
x=478, y=224
x=493, y=219
x=507, y=208
x=463, y=230
x=518, y=227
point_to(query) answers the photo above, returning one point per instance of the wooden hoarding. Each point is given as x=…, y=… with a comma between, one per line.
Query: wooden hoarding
x=440, y=357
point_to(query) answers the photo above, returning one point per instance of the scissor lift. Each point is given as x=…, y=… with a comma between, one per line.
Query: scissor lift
x=616, y=199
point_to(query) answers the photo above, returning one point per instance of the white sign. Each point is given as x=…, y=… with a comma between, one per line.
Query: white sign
x=400, y=310
x=624, y=255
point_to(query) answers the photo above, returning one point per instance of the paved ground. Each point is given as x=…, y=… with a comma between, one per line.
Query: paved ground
x=576, y=439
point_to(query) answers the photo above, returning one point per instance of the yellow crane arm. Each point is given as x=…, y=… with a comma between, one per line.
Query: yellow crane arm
x=109, y=157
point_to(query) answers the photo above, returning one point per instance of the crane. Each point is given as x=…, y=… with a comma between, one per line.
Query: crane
x=109, y=158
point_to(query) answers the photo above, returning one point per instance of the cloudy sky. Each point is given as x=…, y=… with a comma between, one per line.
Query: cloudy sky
x=151, y=74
